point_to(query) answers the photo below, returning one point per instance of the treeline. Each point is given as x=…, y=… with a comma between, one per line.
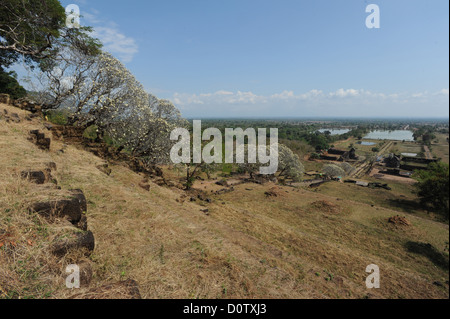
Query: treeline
x=296, y=130
x=427, y=133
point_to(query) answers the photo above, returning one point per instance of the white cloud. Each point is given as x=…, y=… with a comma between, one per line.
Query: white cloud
x=345, y=93
x=117, y=43
x=342, y=102
x=285, y=95
x=114, y=41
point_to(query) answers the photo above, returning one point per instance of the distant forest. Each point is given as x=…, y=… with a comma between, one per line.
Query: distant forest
x=307, y=130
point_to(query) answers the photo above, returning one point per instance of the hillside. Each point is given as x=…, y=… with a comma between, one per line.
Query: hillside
x=255, y=241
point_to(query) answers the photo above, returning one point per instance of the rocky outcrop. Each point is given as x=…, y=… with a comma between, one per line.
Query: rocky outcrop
x=71, y=209
x=10, y=117
x=399, y=220
x=39, y=139
x=81, y=241
x=4, y=98
x=38, y=176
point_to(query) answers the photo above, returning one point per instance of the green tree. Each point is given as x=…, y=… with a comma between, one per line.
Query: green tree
x=28, y=28
x=319, y=142
x=428, y=137
x=9, y=84
x=433, y=187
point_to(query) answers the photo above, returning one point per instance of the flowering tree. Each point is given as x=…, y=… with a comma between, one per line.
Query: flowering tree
x=289, y=164
x=348, y=168
x=333, y=170
x=99, y=90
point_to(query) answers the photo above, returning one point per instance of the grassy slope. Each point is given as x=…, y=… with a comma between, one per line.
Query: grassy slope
x=249, y=246
x=441, y=149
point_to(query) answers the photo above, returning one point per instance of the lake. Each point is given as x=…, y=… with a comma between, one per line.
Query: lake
x=367, y=143
x=334, y=131
x=397, y=135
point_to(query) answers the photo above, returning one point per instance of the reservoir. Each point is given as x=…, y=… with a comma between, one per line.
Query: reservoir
x=409, y=154
x=367, y=143
x=334, y=131
x=397, y=135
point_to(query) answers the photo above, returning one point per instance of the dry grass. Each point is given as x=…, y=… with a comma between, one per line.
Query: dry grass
x=249, y=246
x=441, y=148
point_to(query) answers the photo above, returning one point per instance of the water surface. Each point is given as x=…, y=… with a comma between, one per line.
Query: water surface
x=334, y=131
x=397, y=135
x=367, y=143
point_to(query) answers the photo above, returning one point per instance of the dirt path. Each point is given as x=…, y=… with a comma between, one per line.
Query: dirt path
x=365, y=166
x=428, y=154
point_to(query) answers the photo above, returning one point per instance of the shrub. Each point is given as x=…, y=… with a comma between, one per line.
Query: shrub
x=57, y=117
x=9, y=85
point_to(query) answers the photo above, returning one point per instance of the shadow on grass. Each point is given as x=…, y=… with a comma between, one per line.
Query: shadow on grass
x=406, y=204
x=430, y=252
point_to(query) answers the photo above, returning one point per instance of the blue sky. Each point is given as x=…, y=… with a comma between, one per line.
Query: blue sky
x=253, y=58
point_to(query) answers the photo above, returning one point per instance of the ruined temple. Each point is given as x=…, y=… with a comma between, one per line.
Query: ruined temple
x=392, y=161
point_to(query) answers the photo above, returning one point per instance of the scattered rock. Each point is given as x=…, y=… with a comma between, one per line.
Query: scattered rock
x=76, y=241
x=71, y=209
x=273, y=192
x=86, y=273
x=27, y=105
x=37, y=177
x=4, y=98
x=104, y=169
x=51, y=165
x=79, y=195
x=15, y=117
x=82, y=224
x=73, y=134
x=222, y=182
x=144, y=186
x=160, y=182
x=39, y=139
x=399, y=220
x=224, y=190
